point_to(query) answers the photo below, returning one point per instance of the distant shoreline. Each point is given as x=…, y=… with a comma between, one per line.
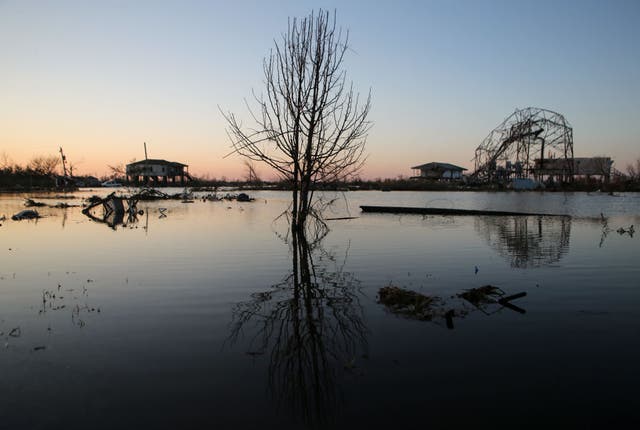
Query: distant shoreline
x=384, y=186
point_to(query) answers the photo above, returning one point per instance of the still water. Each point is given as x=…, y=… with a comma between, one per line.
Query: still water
x=198, y=317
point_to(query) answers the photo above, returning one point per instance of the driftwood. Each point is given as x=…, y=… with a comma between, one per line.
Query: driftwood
x=443, y=211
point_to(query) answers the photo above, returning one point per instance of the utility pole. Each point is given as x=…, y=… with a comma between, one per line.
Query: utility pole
x=145, y=151
x=64, y=164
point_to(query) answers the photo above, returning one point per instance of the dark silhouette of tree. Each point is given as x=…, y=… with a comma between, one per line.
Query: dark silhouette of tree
x=633, y=171
x=311, y=125
x=5, y=162
x=44, y=164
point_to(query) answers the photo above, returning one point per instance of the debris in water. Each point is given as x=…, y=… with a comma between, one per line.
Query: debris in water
x=506, y=302
x=26, y=214
x=39, y=348
x=63, y=205
x=482, y=295
x=242, y=197
x=409, y=304
x=32, y=203
x=15, y=332
x=449, y=318
x=628, y=231
x=413, y=305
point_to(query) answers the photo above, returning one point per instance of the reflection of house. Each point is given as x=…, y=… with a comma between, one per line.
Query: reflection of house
x=157, y=171
x=438, y=171
x=579, y=166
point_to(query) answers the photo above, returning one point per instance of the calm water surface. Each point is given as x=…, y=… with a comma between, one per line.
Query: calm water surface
x=195, y=317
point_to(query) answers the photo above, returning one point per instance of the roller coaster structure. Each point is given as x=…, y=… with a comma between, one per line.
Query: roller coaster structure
x=520, y=142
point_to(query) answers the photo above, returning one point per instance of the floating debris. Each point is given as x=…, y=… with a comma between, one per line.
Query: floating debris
x=413, y=305
x=628, y=231
x=63, y=205
x=26, y=214
x=242, y=197
x=32, y=203
x=409, y=304
x=113, y=209
x=152, y=194
x=482, y=295
x=445, y=211
x=57, y=197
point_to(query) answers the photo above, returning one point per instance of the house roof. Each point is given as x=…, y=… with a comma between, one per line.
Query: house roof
x=436, y=165
x=156, y=162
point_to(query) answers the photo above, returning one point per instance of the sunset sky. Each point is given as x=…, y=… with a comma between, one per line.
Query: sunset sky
x=99, y=78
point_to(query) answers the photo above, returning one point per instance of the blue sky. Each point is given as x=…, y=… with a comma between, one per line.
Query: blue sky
x=100, y=78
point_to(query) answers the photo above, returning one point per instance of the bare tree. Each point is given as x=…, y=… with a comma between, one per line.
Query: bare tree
x=117, y=171
x=633, y=171
x=311, y=126
x=44, y=164
x=5, y=162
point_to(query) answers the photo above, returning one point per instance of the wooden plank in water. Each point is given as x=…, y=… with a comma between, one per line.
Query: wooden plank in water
x=443, y=211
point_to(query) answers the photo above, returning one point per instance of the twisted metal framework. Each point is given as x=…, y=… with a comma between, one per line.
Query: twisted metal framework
x=520, y=142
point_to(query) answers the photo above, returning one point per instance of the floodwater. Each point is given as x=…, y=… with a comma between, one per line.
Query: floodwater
x=200, y=316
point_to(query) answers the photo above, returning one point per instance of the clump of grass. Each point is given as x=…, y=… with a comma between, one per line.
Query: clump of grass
x=409, y=304
x=482, y=295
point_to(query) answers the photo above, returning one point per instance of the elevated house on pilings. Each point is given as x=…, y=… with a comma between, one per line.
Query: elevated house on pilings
x=157, y=172
x=438, y=172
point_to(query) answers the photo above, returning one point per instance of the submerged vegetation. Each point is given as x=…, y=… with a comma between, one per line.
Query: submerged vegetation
x=416, y=306
x=409, y=303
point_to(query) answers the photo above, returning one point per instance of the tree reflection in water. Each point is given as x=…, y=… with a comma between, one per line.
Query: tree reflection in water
x=310, y=326
x=527, y=241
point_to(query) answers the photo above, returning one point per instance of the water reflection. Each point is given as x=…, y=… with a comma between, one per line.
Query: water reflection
x=526, y=241
x=311, y=327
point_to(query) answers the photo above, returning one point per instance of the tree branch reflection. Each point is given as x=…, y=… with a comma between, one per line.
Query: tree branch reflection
x=311, y=327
